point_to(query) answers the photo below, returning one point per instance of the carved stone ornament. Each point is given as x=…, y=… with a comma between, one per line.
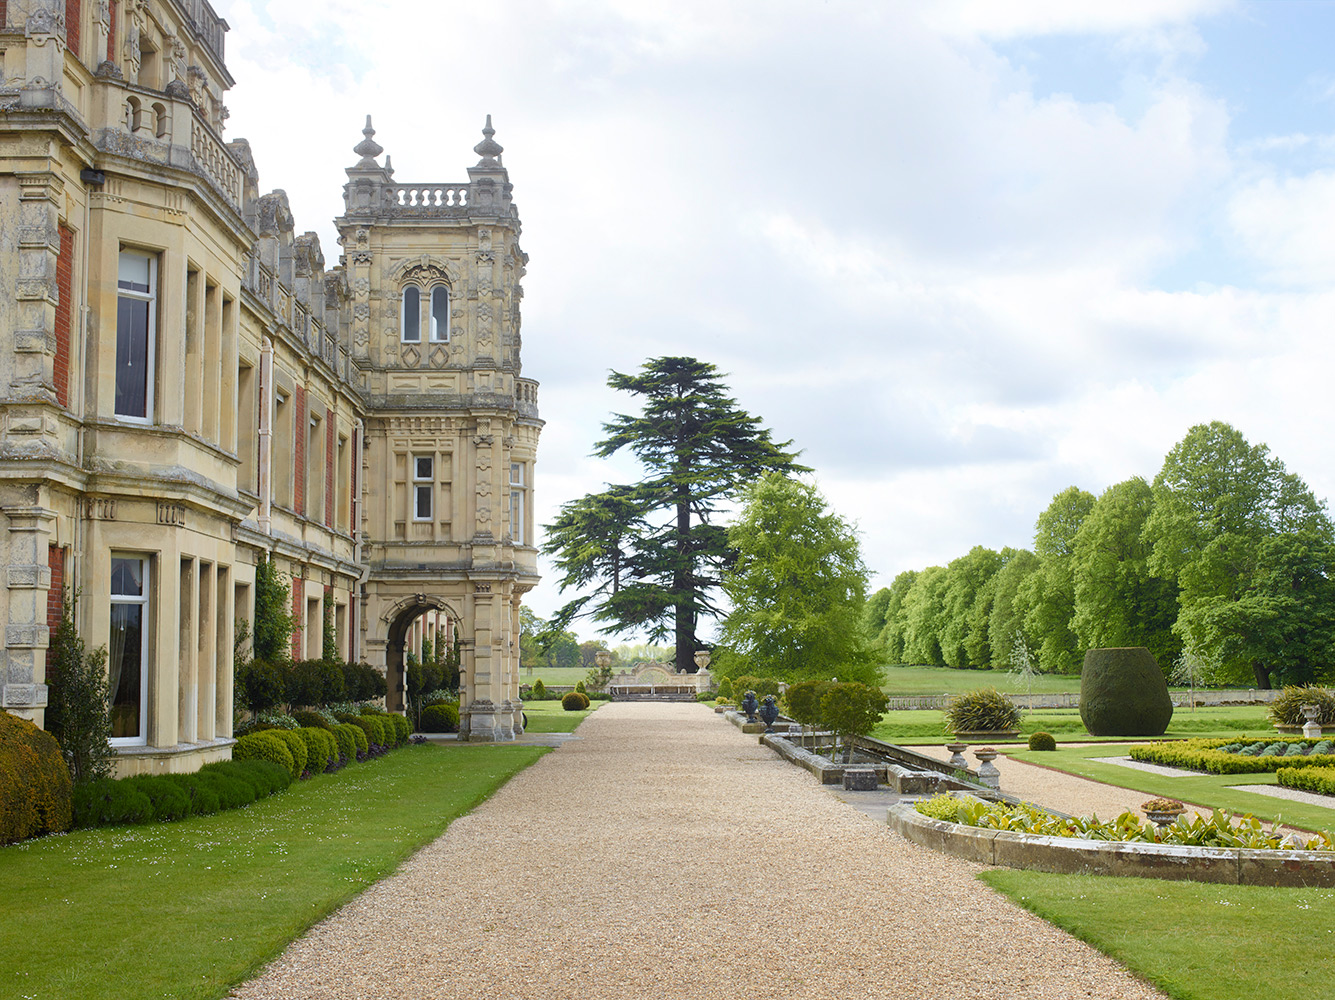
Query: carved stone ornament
x=488, y=148
x=368, y=149
x=361, y=286
x=363, y=237
x=412, y=357
x=439, y=357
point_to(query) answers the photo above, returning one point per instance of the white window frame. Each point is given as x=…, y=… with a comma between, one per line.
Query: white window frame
x=143, y=601
x=424, y=485
x=437, y=333
x=151, y=298
x=518, y=488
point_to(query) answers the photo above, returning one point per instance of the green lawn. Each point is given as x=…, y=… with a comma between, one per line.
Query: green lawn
x=550, y=717
x=945, y=680
x=928, y=725
x=1193, y=940
x=560, y=676
x=1213, y=790
x=189, y=909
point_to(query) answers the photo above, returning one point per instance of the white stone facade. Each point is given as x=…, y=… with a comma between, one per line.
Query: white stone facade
x=187, y=389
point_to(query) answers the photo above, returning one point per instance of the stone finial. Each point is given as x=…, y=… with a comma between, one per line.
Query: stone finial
x=488, y=148
x=389, y=167
x=368, y=149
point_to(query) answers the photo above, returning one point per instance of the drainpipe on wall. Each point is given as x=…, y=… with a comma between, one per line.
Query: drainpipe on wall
x=266, y=433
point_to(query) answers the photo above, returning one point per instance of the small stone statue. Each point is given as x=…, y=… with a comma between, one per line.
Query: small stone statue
x=769, y=711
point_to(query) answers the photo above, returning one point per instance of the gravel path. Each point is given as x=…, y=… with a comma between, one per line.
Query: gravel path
x=666, y=855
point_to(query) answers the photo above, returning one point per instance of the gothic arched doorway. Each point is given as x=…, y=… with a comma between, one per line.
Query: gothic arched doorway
x=404, y=632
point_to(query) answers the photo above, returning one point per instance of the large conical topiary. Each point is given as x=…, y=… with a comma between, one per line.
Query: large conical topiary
x=1123, y=693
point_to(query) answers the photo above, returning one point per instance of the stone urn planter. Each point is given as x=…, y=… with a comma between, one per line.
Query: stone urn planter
x=769, y=712
x=1163, y=812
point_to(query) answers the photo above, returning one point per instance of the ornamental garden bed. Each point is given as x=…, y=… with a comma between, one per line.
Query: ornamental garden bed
x=1237, y=756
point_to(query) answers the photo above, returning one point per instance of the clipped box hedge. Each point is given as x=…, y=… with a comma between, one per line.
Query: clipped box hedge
x=1204, y=755
x=1308, y=779
x=34, y=781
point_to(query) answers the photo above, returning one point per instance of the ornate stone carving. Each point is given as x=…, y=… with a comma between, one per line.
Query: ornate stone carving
x=411, y=357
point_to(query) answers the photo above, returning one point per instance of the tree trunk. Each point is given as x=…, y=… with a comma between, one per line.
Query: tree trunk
x=683, y=583
x=1262, y=673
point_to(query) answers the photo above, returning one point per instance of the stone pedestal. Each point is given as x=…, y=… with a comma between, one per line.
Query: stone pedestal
x=860, y=779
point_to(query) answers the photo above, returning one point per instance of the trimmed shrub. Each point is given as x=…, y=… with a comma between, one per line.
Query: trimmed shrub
x=375, y=730
x=1287, y=708
x=317, y=750
x=852, y=709
x=539, y=690
x=1123, y=693
x=574, y=702
x=362, y=737
x=705, y=696
x=1208, y=755
x=803, y=700
x=170, y=802
x=361, y=682
x=201, y=794
x=265, y=746
x=760, y=685
x=579, y=686
x=1042, y=741
x=265, y=777
x=35, y=784
x=982, y=711
x=232, y=790
x=371, y=710
x=306, y=683
x=334, y=683
x=402, y=728
x=1308, y=779
x=108, y=802
x=725, y=688
x=440, y=719
x=296, y=746
x=347, y=743
x=261, y=684
x=311, y=719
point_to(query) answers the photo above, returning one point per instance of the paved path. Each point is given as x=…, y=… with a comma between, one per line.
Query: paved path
x=665, y=855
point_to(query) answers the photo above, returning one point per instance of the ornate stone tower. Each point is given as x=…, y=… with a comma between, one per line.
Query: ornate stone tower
x=433, y=274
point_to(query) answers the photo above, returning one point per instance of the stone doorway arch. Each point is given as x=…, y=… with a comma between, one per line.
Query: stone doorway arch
x=399, y=618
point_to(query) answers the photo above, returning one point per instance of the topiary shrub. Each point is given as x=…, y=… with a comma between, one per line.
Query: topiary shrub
x=360, y=739
x=574, y=702
x=170, y=801
x=35, y=784
x=295, y=746
x=260, y=684
x=539, y=690
x=579, y=686
x=1042, y=741
x=1287, y=708
x=108, y=802
x=440, y=719
x=318, y=751
x=346, y=742
x=375, y=730
x=402, y=727
x=265, y=746
x=985, y=710
x=372, y=710
x=725, y=688
x=1123, y=693
x=265, y=777
x=312, y=719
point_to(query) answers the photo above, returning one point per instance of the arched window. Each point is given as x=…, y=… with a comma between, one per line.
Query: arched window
x=438, y=317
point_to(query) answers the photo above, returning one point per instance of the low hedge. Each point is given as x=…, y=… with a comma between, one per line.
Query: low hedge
x=346, y=742
x=361, y=742
x=296, y=746
x=574, y=701
x=35, y=784
x=440, y=719
x=402, y=727
x=1204, y=755
x=149, y=798
x=265, y=746
x=1308, y=779
x=321, y=750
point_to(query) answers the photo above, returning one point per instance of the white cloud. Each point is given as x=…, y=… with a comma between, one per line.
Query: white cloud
x=1013, y=18
x=1287, y=225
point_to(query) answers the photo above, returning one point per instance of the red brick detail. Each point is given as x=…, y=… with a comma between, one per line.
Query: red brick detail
x=298, y=613
x=65, y=300
x=329, y=459
x=300, y=431
x=74, y=26
x=4, y=14
x=111, y=35
x=55, y=558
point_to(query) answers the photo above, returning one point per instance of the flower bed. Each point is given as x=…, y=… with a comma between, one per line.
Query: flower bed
x=1234, y=756
x=1222, y=829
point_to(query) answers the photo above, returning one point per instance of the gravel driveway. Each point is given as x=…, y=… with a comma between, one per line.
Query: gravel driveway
x=665, y=855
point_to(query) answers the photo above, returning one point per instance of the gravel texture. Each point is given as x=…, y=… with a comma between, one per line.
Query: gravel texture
x=666, y=855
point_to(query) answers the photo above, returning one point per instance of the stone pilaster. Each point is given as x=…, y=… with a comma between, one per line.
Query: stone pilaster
x=28, y=578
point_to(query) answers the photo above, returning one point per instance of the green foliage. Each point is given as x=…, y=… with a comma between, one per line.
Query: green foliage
x=321, y=750
x=851, y=709
x=261, y=684
x=1320, y=780
x=646, y=555
x=725, y=688
x=265, y=746
x=35, y=785
x=358, y=731
x=347, y=742
x=362, y=682
x=1042, y=741
x=1123, y=693
x=313, y=719
x=440, y=719
x=1287, y=708
x=296, y=746
x=891, y=637
x=274, y=624
x=575, y=701
x=402, y=728
x=797, y=586
x=804, y=700
x=760, y=685
x=309, y=682
x=579, y=686
x=1118, y=601
x=539, y=692
x=78, y=712
x=964, y=640
x=1222, y=829
x=981, y=711
x=328, y=634
x=1209, y=756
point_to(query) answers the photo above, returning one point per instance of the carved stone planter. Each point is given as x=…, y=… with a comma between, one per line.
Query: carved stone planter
x=986, y=735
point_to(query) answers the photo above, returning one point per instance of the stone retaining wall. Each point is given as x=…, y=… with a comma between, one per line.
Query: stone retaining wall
x=1073, y=856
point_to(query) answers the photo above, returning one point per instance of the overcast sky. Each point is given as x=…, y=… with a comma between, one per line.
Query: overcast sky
x=964, y=254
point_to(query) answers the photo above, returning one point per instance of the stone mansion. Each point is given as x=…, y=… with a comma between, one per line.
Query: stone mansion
x=186, y=389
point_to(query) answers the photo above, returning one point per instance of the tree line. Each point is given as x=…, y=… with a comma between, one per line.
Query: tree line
x=1223, y=567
